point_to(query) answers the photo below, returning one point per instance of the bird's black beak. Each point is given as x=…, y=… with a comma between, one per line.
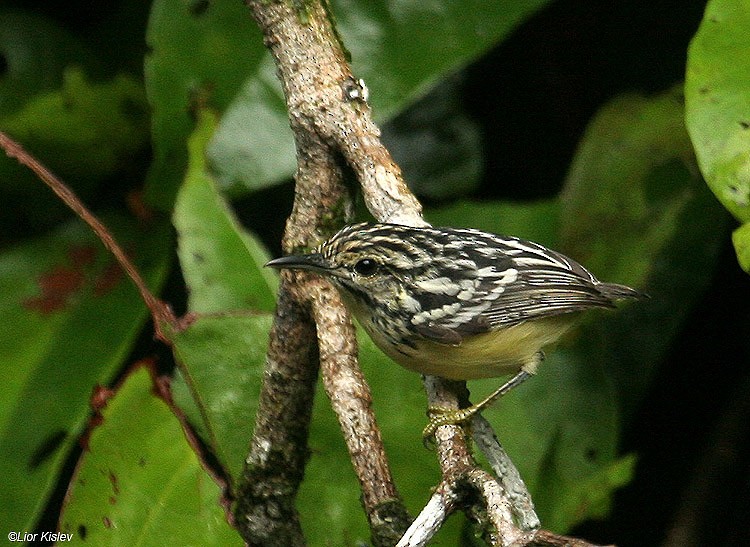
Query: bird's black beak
x=313, y=262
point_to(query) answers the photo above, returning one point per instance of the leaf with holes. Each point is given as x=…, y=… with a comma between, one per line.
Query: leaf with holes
x=717, y=100
x=139, y=482
x=70, y=318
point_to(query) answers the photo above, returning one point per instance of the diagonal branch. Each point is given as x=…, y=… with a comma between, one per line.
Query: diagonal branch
x=510, y=479
x=351, y=401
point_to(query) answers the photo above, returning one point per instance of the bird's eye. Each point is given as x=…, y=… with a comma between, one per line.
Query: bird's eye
x=366, y=267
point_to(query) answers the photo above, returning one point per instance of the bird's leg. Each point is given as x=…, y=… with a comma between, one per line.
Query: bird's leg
x=444, y=416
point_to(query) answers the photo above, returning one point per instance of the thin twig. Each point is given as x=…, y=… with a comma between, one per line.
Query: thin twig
x=543, y=538
x=161, y=313
x=432, y=517
x=509, y=477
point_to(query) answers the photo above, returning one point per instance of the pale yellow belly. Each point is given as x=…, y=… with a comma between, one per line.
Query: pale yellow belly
x=485, y=355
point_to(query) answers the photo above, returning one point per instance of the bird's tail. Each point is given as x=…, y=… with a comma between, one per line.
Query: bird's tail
x=615, y=291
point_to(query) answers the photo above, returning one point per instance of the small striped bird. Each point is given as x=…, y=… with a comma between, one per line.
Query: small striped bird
x=457, y=303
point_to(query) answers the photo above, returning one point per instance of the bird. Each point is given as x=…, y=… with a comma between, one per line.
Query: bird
x=459, y=303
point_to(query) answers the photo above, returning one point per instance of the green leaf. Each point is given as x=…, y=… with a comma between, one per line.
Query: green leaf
x=591, y=496
x=221, y=359
x=741, y=240
x=139, y=482
x=717, y=94
x=221, y=356
x=254, y=147
x=69, y=320
x=201, y=53
x=221, y=263
x=83, y=132
x=627, y=185
x=400, y=51
x=89, y=127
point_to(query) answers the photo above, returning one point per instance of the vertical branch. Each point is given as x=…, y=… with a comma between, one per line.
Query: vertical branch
x=492, y=509
x=264, y=509
x=314, y=75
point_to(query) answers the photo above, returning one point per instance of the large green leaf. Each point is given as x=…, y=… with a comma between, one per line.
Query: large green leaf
x=139, y=482
x=741, y=239
x=69, y=319
x=717, y=95
x=89, y=127
x=221, y=360
x=632, y=210
x=221, y=263
x=402, y=49
x=220, y=356
x=212, y=55
x=561, y=429
x=201, y=53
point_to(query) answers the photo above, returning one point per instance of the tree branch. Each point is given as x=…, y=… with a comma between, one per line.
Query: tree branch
x=351, y=400
x=316, y=79
x=264, y=509
x=510, y=479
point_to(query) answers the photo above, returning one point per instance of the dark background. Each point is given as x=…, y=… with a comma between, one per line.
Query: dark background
x=691, y=431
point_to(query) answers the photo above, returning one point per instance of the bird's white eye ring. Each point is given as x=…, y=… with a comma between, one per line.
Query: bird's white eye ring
x=366, y=267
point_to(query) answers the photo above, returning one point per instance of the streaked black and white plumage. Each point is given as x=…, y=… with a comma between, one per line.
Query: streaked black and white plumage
x=459, y=303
